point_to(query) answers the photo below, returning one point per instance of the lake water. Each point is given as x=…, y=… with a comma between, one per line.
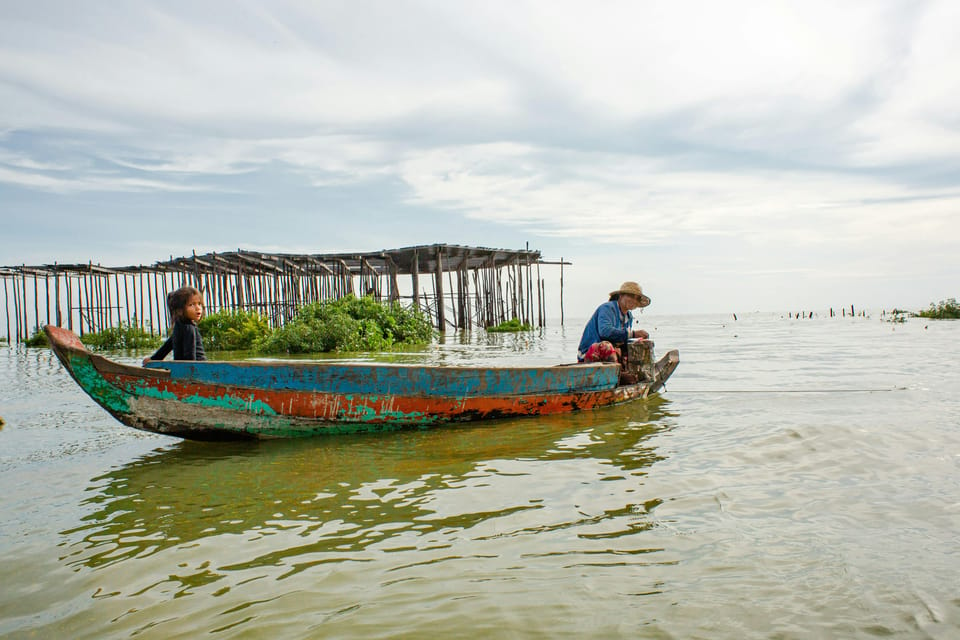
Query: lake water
x=798, y=479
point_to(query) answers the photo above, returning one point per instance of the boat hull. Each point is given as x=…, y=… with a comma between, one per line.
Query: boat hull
x=229, y=400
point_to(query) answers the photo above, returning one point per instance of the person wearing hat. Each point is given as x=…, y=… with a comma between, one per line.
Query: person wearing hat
x=611, y=325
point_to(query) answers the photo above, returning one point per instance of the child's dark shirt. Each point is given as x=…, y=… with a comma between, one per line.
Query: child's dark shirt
x=185, y=342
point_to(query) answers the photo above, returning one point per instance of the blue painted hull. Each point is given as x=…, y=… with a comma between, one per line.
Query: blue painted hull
x=219, y=400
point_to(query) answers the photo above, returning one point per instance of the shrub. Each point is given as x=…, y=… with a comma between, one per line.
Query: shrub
x=945, y=310
x=348, y=324
x=124, y=336
x=513, y=324
x=232, y=330
x=38, y=339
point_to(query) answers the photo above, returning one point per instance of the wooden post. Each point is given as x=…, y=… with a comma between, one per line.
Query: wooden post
x=46, y=292
x=238, y=298
x=166, y=317
x=69, y=286
x=196, y=270
x=82, y=291
x=543, y=309
x=394, y=285
x=126, y=297
x=502, y=317
x=36, y=302
x=153, y=327
x=530, y=288
x=6, y=309
x=16, y=309
x=415, y=279
x=539, y=298
x=467, y=301
x=461, y=301
x=490, y=275
x=116, y=284
x=103, y=305
x=438, y=282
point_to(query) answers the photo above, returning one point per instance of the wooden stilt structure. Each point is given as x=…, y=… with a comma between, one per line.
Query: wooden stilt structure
x=484, y=287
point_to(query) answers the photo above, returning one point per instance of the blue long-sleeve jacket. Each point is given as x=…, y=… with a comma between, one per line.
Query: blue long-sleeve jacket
x=607, y=323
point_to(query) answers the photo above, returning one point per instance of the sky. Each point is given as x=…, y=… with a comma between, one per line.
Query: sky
x=730, y=156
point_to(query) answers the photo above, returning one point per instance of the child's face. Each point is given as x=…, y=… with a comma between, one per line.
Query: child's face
x=194, y=309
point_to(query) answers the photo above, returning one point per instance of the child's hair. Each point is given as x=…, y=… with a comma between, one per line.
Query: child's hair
x=177, y=300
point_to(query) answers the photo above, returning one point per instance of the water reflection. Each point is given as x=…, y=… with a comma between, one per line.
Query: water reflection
x=331, y=499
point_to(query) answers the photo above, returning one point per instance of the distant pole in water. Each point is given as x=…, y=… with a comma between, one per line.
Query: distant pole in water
x=734, y=316
x=851, y=311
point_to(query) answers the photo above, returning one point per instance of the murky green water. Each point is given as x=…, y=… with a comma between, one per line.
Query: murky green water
x=798, y=479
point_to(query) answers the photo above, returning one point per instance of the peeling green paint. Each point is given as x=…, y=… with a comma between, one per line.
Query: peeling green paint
x=97, y=387
x=232, y=403
x=365, y=411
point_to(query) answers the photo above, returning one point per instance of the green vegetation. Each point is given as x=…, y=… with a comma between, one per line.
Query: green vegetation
x=124, y=336
x=233, y=330
x=38, y=339
x=944, y=310
x=510, y=325
x=348, y=324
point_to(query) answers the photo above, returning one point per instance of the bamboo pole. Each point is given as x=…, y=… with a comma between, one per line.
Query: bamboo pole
x=16, y=310
x=6, y=308
x=103, y=303
x=438, y=284
x=126, y=298
x=415, y=279
x=530, y=288
x=69, y=286
x=394, y=285
x=143, y=323
x=82, y=291
x=166, y=292
x=36, y=302
x=150, y=305
x=453, y=300
x=46, y=293
x=464, y=280
x=116, y=284
x=539, y=297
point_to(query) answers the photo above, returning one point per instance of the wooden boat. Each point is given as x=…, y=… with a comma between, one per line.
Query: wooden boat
x=212, y=400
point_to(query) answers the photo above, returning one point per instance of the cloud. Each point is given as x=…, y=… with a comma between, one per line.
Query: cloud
x=57, y=184
x=716, y=130
x=631, y=200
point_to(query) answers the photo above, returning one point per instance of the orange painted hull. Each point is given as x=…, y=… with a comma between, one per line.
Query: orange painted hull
x=221, y=400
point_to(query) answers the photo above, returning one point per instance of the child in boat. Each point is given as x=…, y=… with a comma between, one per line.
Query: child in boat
x=186, y=309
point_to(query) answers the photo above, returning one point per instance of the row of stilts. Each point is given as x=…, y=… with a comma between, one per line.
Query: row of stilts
x=459, y=288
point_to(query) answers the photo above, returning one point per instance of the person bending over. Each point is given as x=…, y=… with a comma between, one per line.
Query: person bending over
x=611, y=325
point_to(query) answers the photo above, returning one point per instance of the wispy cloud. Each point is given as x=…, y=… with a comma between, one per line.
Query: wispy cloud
x=787, y=124
x=59, y=184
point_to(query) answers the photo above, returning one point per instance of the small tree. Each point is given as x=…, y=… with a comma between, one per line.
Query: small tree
x=944, y=310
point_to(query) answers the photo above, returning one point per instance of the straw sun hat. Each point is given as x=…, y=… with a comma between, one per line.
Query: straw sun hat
x=632, y=289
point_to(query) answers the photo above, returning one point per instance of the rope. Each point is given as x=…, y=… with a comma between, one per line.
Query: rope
x=785, y=390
